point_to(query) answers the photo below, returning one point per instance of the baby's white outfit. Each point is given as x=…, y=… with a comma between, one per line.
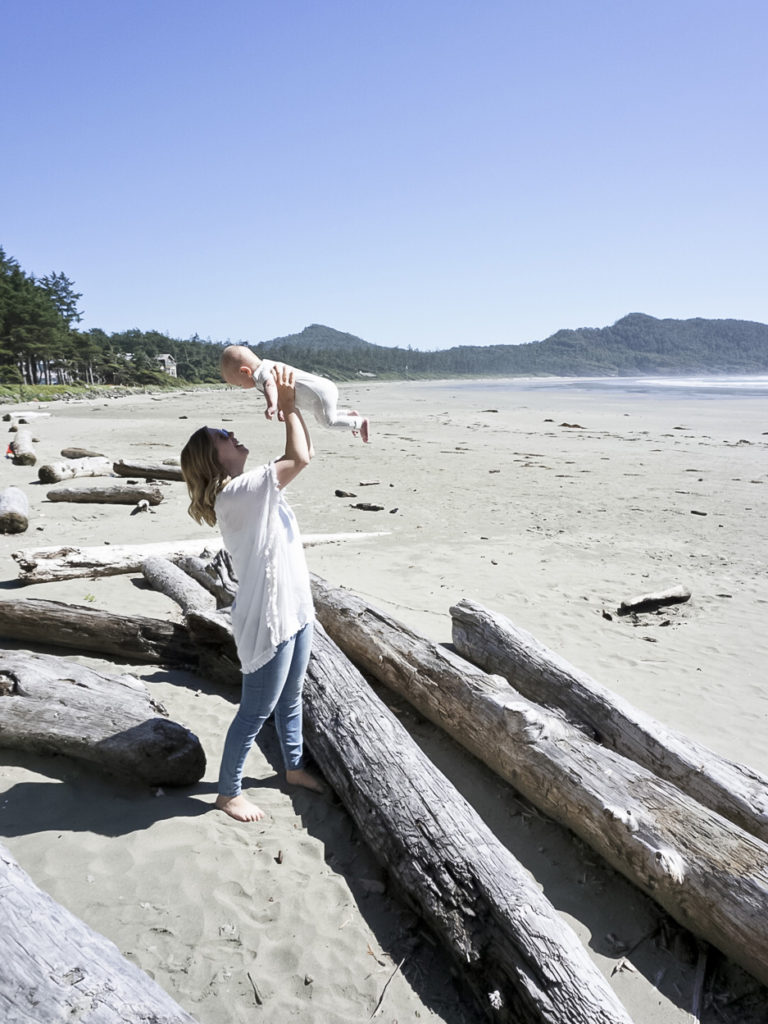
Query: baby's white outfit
x=314, y=394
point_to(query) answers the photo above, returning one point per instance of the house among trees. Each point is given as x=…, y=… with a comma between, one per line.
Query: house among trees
x=168, y=363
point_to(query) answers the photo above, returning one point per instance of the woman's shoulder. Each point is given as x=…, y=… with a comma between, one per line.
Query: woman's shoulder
x=261, y=478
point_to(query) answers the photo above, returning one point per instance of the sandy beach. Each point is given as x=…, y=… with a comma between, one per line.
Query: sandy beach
x=548, y=503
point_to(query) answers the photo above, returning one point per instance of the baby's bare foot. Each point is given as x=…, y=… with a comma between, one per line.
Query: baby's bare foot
x=300, y=777
x=364, y=430
x=239, y=808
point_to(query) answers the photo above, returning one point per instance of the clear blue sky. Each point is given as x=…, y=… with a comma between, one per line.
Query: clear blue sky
x=417, y=172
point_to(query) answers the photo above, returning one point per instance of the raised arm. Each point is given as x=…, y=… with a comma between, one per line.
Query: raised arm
x=297, y=442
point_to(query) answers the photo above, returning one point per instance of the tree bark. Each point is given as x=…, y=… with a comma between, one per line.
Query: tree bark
x=14, y=510
x=148, y=470
x=53, y=706
x=710, y=875
x=53, y=472
x=22, y=449
x=522, y=960
x=497, y=645
x=119, y=494
x=216, y=574
x=58, y=970
x=132, y=638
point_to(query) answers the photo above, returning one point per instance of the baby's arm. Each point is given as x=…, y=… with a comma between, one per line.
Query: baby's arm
x=270, y=393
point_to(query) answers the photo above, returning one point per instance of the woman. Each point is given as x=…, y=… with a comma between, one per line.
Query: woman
x=273, y=613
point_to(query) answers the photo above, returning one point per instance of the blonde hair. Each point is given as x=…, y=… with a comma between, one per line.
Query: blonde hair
x=203, y=475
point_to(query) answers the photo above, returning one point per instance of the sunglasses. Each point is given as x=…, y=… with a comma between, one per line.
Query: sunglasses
x=220, y=431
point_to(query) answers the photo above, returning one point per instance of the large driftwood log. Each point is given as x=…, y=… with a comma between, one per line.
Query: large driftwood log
x=57, y=970
x=53, y=472
x=43, y=565
x=14, y=510
x=148, y=470
x=22, y=449
x=710, y=875
x=117, y=494
x=169, y=579
x=497, y=645
x=135, y=638
x=216, y=574
x=523, y=960
x=53, y=706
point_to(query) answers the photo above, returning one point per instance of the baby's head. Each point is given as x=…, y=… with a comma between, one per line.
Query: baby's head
x=238, y=365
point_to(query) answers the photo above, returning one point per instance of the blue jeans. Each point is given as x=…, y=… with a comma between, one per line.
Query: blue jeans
x=276, y=687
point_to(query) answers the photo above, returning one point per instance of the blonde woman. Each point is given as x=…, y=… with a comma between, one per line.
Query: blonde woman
x=273, y=612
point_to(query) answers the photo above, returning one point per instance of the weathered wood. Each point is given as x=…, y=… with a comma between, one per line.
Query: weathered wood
x=216, y=574
x=116, y=494
x=495, y=644
x=80, y=453
x=523, y=961
x=14, y=510
x=53, y=472
x=22, y=449
x=709, y=874
x=148, y=470
x=650, y=602
x=57, y=970
x=169, y=579
x=53, y=706
x=132, y=638
x=42, y=565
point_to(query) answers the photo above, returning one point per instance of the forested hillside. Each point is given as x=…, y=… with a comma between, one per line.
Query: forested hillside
x=41, y=344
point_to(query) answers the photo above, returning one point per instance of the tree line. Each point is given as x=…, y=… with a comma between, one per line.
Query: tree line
x=41, y=343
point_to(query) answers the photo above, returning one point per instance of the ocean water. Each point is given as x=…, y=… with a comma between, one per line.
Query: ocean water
x=671, y=387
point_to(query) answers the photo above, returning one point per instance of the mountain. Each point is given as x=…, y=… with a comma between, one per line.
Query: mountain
x=637, y=344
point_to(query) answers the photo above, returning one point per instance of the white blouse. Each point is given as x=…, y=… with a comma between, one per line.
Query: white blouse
x=274, y=599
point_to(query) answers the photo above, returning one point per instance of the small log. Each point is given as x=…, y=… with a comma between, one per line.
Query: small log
x=22, y=449
x=132, y=638
x=42, y=565
x=709, y=874
x=120, y=494
x=53, y=472
x=80, y=453
x=650, y=602
x=56, y=969
x=495, y=644
x=172, y=581
x=53, y=706
x=148, y=470
x=14, y=510
x=520, y=957
x=29, y=416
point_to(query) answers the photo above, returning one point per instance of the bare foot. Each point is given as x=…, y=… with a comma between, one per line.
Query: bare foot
x=239, y=807
x=364, y=430
x=299, y=777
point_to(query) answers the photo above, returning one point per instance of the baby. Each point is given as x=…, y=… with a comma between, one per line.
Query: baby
x=318, y=395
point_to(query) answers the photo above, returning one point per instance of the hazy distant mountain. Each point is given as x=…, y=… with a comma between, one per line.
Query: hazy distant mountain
x=635, y=345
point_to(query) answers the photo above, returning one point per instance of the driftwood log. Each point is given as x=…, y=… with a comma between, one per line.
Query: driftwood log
x=657, y=599
x=216, y=574
x=709, y=874
x=80, y=453
x=497, y=645
x=148, y=470
x=14, y=510
x=53, y=706
x=169, y=579
x=53, y=472
x=132, y=638
x=57, y=970
x=522, y=960
x=43, y=565
x=22, y=449
x=117, y=494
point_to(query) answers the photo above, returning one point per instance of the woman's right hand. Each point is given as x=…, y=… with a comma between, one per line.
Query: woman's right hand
x=285, y=382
